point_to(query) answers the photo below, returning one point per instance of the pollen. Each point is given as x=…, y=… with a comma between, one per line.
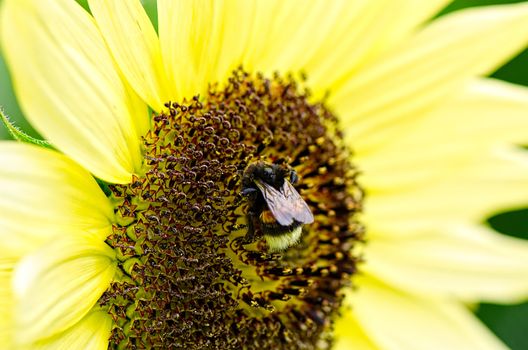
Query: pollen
x=188, y=277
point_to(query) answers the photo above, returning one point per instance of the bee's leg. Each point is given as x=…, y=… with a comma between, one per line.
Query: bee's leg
x=247, y=191
x=293, y=177
x=250, y=235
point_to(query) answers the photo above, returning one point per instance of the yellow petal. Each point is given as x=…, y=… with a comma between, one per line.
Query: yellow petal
x=203, y=41
x=349, y=335
x=485, y=114
x=134, y=43
x=56, y=286
x=69, y=88
x=45, y=194
x=6, y=301
x=286, y=33
x=353, y=33
x=398, y=321
x=405, y=17
x=483, y=186
x=427, y=68
x=467, y=262
x=91, y=333
x=138, y=110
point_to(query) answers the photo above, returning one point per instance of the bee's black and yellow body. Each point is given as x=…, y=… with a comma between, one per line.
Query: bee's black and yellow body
x=277, y=236
x=276, y=207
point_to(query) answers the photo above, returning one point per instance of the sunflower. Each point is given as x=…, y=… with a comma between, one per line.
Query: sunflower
x=141, y=225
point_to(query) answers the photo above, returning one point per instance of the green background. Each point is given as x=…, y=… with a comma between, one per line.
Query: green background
x=510, y=323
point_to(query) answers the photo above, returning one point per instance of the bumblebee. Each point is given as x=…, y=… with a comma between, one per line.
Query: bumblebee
x=275, y=206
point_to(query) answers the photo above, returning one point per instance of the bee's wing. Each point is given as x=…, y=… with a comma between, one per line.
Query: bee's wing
x=286, y=204
x=298, y=207
x=277, y=203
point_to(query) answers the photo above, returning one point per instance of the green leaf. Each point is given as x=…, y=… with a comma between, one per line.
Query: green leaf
x=18, y=134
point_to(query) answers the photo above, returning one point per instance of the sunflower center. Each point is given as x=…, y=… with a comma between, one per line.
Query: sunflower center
x=200, y=266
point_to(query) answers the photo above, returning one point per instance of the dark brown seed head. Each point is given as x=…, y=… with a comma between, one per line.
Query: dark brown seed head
x=186, y=281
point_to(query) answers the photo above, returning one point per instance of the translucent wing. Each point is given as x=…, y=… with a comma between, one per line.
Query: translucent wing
x=299, y=209
x=286, y=205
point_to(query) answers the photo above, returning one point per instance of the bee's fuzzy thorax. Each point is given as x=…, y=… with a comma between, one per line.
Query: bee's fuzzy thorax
x=257, y=171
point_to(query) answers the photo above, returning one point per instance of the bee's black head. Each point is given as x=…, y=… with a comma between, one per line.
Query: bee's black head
x=272, y=174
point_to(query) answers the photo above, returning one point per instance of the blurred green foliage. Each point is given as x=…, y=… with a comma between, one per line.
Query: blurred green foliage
x=510, y=323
